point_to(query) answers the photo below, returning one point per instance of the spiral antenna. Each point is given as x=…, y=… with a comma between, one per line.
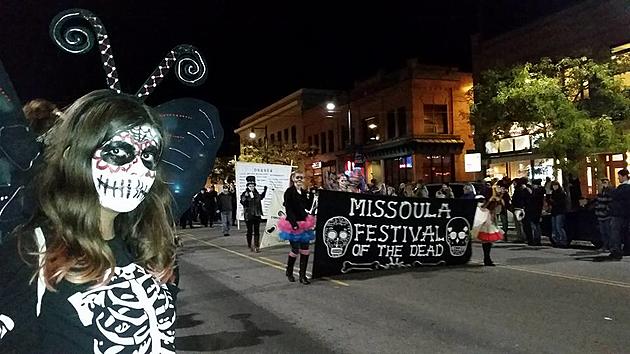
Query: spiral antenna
x=190, y=69
x=77, y=39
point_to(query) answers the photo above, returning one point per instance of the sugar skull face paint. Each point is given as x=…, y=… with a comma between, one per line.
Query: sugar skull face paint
x=123, y=168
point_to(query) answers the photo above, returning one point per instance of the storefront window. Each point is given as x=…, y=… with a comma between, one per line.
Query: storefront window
x=518, y=169
x=398, y=170
x=437, y=169
x=543, y=168
x=497, y=170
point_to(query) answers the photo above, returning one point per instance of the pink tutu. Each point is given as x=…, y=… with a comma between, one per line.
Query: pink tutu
x=306, y=225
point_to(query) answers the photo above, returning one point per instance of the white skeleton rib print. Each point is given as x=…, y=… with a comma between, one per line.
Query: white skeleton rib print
x=6, y=325
x=132, y=312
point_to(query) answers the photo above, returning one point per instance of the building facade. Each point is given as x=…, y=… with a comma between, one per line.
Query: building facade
x=597, y=29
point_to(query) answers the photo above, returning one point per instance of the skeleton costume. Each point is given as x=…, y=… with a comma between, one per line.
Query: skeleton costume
x=128, y=309
x=297, y=227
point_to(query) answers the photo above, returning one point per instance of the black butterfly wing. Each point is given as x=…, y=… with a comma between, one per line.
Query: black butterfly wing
x=19, y=153
x=195, y=134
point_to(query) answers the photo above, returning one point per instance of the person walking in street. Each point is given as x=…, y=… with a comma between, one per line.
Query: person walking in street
x=620, y=217
x=485, y=228
x=533, y=211
x=224, y=203
x=602, y=211
x=507, y=205
x=252, y=210
x=558, y=201
x=297, y=226
x=519, y=200
x=200, y=207
x=210, y=202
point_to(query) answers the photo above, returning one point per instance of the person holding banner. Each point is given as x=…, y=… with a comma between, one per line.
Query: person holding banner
x=298, y=225
x=252, y=204
x=485, y=225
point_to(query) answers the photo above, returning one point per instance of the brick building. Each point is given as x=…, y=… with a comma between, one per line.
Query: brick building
x=407, y=125
x=597, y=29
x=282, y=121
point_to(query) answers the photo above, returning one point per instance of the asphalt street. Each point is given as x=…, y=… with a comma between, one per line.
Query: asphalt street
x=536, y=300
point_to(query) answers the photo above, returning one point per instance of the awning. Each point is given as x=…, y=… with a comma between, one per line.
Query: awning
x=442, y=144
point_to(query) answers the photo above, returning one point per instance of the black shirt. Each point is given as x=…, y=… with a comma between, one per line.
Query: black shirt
x=133, y=312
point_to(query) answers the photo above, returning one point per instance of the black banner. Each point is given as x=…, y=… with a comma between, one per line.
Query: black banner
x=370, y=232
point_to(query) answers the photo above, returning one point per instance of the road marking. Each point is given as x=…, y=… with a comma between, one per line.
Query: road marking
x=565, y=276
x=264, y=260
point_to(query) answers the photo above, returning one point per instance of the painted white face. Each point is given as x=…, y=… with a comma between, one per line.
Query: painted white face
x=123, y=168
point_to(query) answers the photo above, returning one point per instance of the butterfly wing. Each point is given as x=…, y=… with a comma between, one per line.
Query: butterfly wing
x=195, y=134
x=19, y=153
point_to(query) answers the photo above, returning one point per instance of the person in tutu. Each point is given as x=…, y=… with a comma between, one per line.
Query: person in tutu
x=297, y=226
x=485, y=226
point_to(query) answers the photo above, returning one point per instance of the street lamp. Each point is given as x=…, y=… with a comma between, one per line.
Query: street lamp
x=330, y=106
x=252, y=134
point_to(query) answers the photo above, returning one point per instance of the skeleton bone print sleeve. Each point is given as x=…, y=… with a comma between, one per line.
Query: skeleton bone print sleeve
x=19, y=331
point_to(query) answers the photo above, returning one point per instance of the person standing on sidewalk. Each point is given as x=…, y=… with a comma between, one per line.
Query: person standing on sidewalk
x=252, y=204
x=620, y=217
x=558, y=201
x=602, y=211
x=533, y=211
x=224, y=203
x=210, y=202
x=298, y=225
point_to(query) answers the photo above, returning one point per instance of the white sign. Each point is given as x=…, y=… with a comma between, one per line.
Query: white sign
x=472, y=162
x=317, y=164
x=274, y=177
x=270, y=237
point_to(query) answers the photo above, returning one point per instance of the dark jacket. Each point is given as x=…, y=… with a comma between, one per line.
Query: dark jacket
x=296, y=205
x=468, y=195
x=252, y=204
x=534, y=206
x=620, y=203
x=521, y=197
x=558, y=202
x=602, y=204
x=224, y=202
x=210, y=200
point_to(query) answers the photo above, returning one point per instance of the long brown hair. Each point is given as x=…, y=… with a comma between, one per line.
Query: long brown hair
x=68, y=209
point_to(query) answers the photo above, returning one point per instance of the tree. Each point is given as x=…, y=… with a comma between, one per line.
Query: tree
x=223, y=169
x=276, y=154
x=573, y=107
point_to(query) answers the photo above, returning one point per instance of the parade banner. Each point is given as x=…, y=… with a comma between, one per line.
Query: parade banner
x=276, y=210
x=274, y=177
x=372, y=232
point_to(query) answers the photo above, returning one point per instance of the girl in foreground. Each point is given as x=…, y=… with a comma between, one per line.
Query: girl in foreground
x=101, y=243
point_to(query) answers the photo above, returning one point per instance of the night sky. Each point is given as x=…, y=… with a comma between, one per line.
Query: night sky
x=256, y=51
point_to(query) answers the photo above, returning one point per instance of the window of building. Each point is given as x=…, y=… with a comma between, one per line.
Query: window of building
x=286, y=135
x=437, y=168
x=310, y=141
x=293, y=135
x=344, y=137
x=331, y=141
x=398, y=170
x=401, y=121
x=323, y=141
x=391, y=124
x=436, y=118
x=372, y=130
x=272, y=138
x=316, y=139
x=280, y=137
